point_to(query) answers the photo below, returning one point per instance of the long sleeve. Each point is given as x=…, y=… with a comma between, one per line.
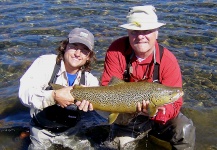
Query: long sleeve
x=170, y=75
x=32, y=91
x=115, y=62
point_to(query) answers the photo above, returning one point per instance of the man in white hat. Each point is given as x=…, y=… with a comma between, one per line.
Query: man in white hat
x=137, y=57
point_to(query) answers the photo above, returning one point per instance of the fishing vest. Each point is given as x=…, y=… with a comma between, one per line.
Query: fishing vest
x=55, y=118
x=126, y=74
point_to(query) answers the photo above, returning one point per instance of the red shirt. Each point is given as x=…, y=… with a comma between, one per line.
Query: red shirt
x=170, y=74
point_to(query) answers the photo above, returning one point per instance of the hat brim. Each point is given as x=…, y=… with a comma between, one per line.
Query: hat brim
x=76, y=39
x=132, y=26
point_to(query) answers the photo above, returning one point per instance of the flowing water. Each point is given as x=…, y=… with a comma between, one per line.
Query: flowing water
x=30, y=28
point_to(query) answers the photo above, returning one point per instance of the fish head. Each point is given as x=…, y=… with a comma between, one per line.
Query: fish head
x=176, y=94
x=166, y=95
x=161, y=96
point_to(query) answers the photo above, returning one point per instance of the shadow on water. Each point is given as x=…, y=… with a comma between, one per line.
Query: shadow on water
x=15, y=138
x=29, y=29
x=204, y=120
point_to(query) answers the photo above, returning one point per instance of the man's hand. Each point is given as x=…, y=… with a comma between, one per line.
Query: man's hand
x=63, y=96
x=84, y=105
x=144, y=108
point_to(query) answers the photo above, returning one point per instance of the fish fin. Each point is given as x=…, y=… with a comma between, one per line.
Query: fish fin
x=143, y=80
x=115, y=81
x=152, y=110
x=112, y=117
x=56, y=86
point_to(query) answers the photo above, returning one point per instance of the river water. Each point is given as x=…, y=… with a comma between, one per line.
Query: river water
x=30, y=28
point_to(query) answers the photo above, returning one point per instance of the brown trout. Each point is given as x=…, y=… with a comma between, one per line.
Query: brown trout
x=122, y=97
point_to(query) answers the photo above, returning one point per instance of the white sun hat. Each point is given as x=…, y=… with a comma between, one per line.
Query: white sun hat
x=142, y=18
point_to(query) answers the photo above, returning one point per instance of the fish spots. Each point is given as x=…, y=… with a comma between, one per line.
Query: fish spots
x=123, y=97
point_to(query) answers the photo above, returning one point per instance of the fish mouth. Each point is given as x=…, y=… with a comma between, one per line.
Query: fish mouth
x=182, y=93
x=178, y=95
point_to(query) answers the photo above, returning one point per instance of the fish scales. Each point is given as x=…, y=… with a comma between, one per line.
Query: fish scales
x=122, y=97
x=117, y=98
x=106, y=98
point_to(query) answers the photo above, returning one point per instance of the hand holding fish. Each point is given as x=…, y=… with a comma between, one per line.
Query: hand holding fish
x=84, y=105
x=63, y=97
x=144, y=108
x=123, y=97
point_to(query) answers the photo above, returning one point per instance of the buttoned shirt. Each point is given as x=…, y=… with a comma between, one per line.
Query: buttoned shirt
x=33, y=83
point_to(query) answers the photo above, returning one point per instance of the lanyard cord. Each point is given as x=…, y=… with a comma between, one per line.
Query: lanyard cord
x=129, y=69
x=154, y=56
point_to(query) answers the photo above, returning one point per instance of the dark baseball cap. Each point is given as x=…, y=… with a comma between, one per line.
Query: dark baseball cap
x=81, y=35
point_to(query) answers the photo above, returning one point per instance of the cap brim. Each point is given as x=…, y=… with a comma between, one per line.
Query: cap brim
x=76, y=39
x=131, y=26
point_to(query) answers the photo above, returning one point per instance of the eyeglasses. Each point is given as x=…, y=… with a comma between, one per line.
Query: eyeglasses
x=76, y=47
x=143, y=32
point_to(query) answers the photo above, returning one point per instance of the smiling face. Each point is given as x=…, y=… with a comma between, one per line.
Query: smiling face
x=143, y=41
x=76, y=55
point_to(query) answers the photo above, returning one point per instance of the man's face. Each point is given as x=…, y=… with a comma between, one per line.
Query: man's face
x=75, y=56
x=143, y=41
